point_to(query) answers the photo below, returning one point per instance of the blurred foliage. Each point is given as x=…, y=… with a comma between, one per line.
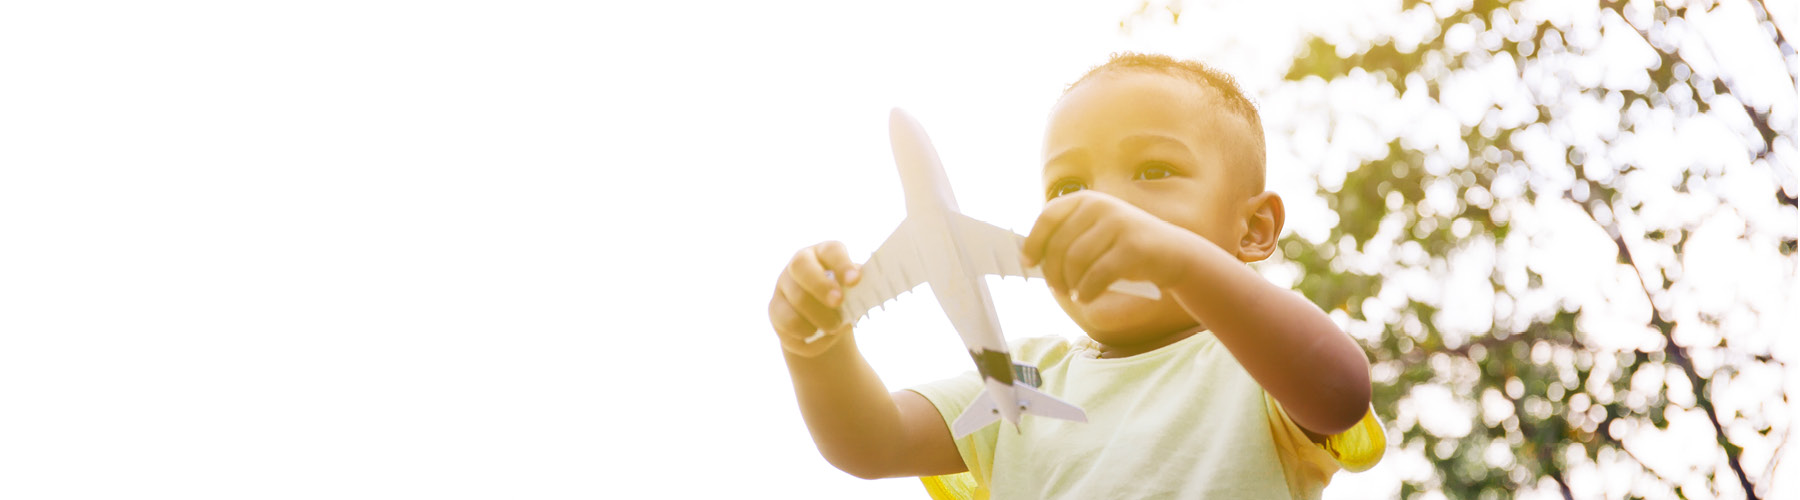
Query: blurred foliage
x=1561, y=129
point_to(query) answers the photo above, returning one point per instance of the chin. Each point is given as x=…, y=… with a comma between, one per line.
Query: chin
x=1119, y=319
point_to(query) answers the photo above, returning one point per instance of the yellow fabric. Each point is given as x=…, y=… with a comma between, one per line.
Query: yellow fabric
x=1184, y=421
x=1359, y=448
x=953, y=487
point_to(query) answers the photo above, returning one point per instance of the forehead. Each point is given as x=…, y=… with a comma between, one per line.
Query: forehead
x=1104, y=110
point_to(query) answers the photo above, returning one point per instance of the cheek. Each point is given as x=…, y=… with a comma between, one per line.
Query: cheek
x=1206, y=214
x=1182, y=208
x=1219, y=221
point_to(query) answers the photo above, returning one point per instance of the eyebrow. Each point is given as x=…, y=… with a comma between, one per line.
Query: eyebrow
x=1144, y=141
x=1136, y=142
x=1065, y=155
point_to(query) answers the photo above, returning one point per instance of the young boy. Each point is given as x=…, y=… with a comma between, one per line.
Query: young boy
x=1227, y=387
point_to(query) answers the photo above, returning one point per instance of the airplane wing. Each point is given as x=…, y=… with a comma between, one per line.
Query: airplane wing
x=995, y=251
x=897, y=266
x=991, y=250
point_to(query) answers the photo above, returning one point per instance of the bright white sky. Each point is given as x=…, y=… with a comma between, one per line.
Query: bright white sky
x=522, y=250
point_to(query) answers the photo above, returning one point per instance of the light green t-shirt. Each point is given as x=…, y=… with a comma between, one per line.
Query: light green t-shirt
x=1183, y=421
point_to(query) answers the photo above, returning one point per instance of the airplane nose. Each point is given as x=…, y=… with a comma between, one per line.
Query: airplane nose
x=899, y=118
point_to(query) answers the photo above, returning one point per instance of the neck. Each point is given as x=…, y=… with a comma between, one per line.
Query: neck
x=1158, y=342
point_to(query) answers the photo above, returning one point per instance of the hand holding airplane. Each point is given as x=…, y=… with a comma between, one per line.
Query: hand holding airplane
x=936, y=244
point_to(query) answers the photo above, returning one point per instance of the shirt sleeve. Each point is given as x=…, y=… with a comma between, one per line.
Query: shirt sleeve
x=1311, y=463
x=951, y=396
x=1360, y=447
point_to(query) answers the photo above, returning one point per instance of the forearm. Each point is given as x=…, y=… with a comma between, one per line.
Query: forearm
x=852, y=417
x=1318, y=374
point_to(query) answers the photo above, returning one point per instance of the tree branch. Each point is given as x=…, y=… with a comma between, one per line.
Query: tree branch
x=1677, y=354
x=1781, y=43
x=1758, y=119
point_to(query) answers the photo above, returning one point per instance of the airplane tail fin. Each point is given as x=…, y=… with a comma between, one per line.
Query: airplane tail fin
x=982, y=412
x=1035, y=402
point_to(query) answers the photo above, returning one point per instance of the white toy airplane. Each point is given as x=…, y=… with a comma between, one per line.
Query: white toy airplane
x=936, y=244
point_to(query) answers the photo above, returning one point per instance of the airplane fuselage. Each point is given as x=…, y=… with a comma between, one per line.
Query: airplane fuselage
x=964, y=295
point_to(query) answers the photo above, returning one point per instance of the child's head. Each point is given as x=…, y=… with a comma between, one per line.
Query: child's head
x=1177, y=139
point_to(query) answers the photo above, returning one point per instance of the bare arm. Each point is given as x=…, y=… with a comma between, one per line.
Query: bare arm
x=858, y=426
x=1293, y=350
x=861, y=428
x=1286, y=343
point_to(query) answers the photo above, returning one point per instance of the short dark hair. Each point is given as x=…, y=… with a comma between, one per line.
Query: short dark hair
x=1219, y=82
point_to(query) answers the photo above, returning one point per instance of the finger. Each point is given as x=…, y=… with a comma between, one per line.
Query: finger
x=1099, y=276
x=821, y=317
x=1082, y=253
x=806, y=269
x=815, y=344
x=1056, y=251
x=836, y=259
x=786, y=320
x=1048, y=223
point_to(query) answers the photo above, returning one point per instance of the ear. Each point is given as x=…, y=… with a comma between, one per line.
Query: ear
x=1263, y=218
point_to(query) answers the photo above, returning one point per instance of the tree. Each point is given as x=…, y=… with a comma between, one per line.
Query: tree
x=1487, y=138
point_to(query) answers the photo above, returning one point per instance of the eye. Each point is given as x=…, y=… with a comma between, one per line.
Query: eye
x=1063, y=187
x=1155, y=170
